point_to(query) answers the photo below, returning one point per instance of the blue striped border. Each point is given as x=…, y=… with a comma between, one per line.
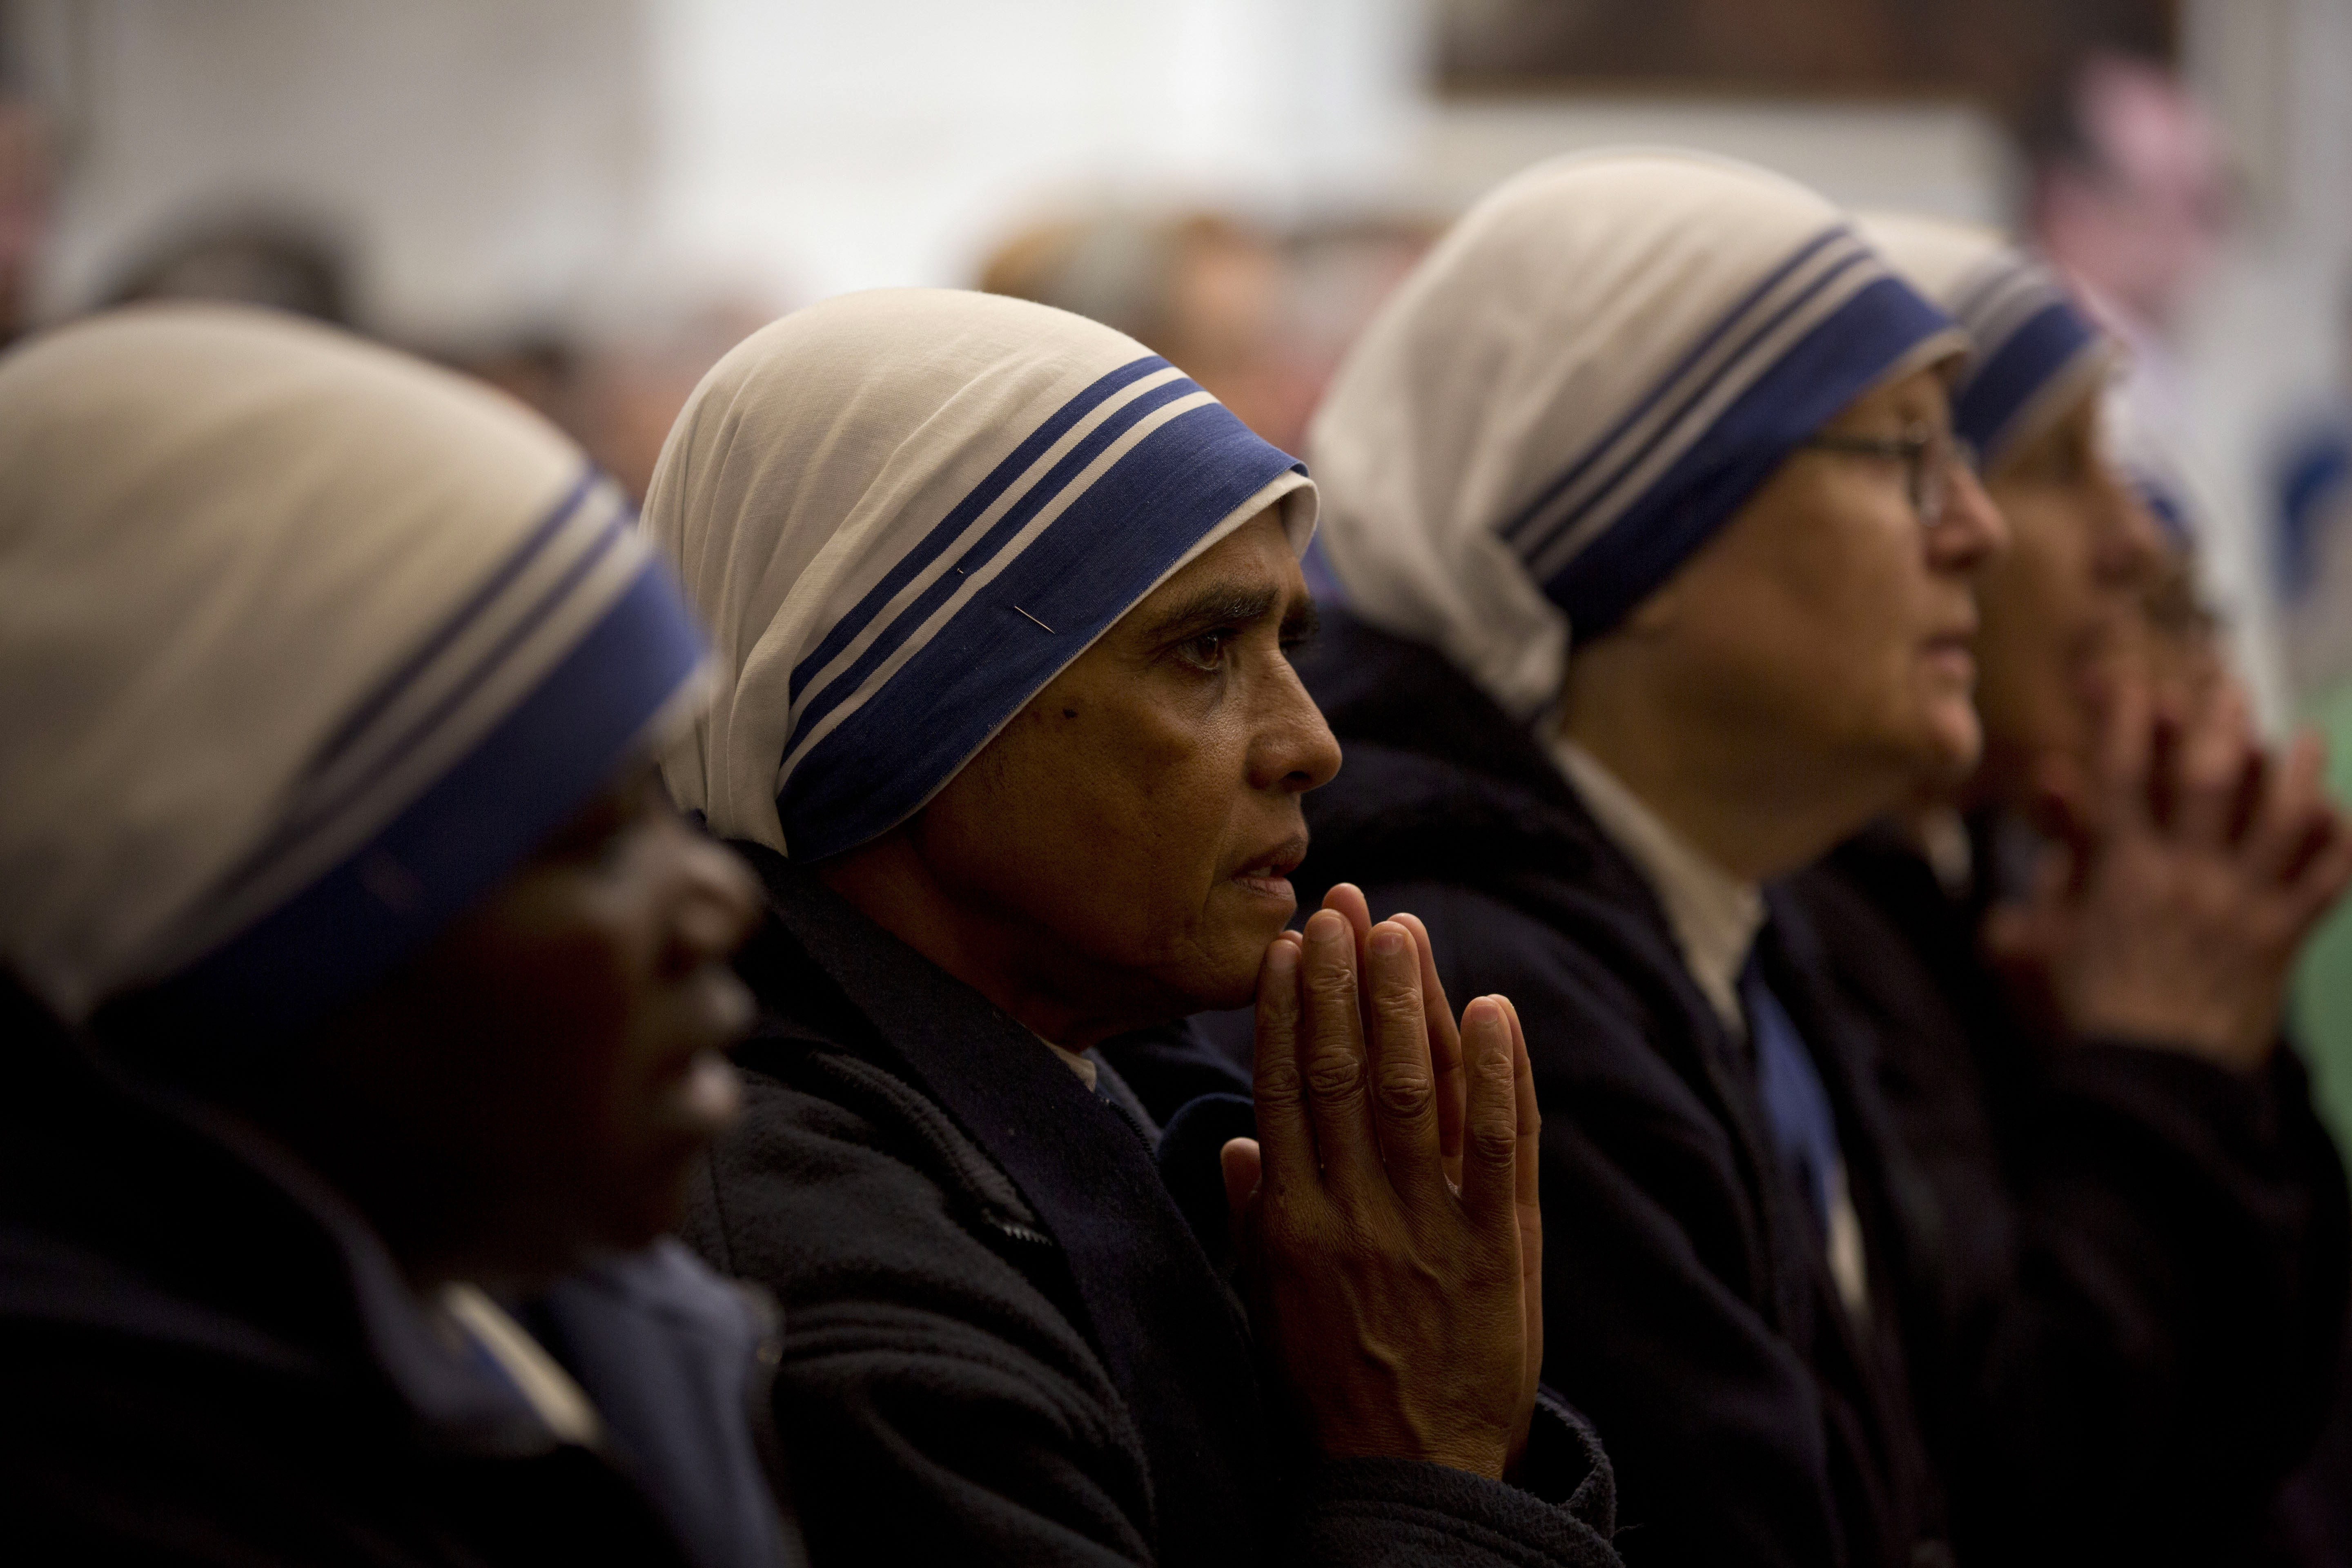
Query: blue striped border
x=1676, y=379
x=1092, y=565
x=983, y=496
x=392, y=895
x=1840, y=358
x=1000, y=533
x=2008, y=375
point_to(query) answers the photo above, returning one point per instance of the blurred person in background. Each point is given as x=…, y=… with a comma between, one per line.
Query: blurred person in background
x=2312, y=558
x=24, y=199
x=1657, y=554
x=2131, y=1249
x=614, y=381
x=2131, y=201
x=365, y=1001
x=1209, y=294
x=1009, y=730
x=278, y=260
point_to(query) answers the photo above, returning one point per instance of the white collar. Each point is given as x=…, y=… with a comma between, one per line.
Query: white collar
x=1084, y=1066
x=1714, y=914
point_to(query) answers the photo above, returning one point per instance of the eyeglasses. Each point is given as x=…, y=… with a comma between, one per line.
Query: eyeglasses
x=1929, y=459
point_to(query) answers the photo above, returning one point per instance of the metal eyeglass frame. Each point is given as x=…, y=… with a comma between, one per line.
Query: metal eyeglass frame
x=1927, y=474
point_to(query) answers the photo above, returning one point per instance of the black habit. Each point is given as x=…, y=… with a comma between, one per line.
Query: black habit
x=2140, y=1260
x=207, y=1356
x=1003, y=1342
x=1688, y=1305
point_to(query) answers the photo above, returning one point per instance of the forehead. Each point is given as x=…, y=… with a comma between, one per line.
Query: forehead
x=1923, y=394
x=1255, y=555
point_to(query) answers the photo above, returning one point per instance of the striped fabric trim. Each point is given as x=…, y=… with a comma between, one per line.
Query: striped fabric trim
x=1842, y=356
x=2028, y=340
x=1610, y=478
x=518, y=709
x=988, y=529
x=1818, y=331
x=1064, y=535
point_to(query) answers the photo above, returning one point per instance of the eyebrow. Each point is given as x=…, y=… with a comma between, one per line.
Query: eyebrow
x=1232, y=603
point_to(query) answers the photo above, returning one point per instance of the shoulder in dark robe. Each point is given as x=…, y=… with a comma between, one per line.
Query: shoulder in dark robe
x=1002, y=1339
x=2134, y=1265
x=207, y=1356
x=1688, y=1310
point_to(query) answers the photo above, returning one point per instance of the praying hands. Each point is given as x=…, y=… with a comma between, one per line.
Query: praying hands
x=1386, y=1215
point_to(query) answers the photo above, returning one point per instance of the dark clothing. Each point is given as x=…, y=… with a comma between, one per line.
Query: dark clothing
x=2140, y=1260
x=1688, y=1305
x=207, y=1356
x=1003, y=1343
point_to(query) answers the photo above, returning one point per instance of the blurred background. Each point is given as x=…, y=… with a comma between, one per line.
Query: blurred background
x=587, y=201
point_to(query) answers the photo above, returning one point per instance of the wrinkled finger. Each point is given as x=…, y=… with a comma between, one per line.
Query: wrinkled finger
x=1404, y=1080
x=1334, y=1061
x=1527, y=1173
x=2320, y=882
x=1347, y=898
x=1529, y=1123
x=2126, y=774
x=2292, y=803
x=1444, y=1051
x=1347, y=901
x=1490, y=1142
x=1285, y=1133
x=2208, y=770
x=2064, y=802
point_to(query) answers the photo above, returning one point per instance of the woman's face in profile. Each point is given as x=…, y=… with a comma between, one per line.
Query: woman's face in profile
x=536, y=1083
x=2065, y=599
x=1139, y=819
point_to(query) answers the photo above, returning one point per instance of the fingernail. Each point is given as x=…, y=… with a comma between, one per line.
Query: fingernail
x=1387, y=939
x=1282, y=958
x=1326, y=925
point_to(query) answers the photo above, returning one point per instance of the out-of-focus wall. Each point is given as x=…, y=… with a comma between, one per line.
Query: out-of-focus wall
x=480, y=156
x=504, y=156
x=2270, y=336
x=1945, y=158
x=497, y=161
x=893, y=141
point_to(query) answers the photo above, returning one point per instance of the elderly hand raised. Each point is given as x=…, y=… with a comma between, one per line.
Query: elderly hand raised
x=1387, y=1214
x=2194, y=864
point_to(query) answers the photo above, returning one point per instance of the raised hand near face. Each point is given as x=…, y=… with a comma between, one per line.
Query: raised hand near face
x=2193, y=865
x=1399, y=1307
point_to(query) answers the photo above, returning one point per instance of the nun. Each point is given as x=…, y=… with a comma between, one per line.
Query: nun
x=365, y=1005
x=2140, y=1254
x=1658, y=551
x=1008, y=728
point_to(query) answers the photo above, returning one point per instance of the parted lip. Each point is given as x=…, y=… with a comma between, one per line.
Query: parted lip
x=1276, y=862
x=1960, y=634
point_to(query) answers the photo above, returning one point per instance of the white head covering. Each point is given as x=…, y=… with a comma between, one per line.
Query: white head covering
x=1582, y=381
x=2031, y=352
x=903, y=514
x=303, y=645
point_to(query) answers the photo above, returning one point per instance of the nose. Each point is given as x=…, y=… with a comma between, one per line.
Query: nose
x=1294, y=750
x=1972, y=532
x=719, y=901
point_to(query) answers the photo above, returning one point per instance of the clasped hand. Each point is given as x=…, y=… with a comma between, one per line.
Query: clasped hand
x=2190, y=866
x=1386, y=1214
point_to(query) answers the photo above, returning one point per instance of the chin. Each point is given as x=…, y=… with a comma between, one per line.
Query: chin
x=1224, y=979
x=1227, y=985
x=1951, y=746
